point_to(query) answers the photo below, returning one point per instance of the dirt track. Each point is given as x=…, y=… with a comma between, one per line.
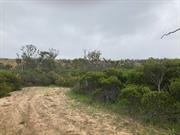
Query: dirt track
x=47, y=111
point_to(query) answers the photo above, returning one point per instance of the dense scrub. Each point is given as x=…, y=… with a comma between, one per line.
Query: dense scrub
x=151, y=91
x=147, y=88
x=104, y=85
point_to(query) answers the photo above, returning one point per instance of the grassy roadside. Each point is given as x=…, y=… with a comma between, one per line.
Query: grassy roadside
x=136, y=125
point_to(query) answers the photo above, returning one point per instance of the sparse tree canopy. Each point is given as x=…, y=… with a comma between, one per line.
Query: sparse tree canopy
x=29, y=51
x=94, y=55
x=51, y=54
x=29, y=54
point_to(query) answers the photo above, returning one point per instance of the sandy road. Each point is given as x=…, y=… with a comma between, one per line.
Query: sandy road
x=48, y=111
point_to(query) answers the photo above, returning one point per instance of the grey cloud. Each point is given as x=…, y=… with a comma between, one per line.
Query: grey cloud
x=120, y=29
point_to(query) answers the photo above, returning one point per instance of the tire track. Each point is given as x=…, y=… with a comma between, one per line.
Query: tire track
x=47, y=111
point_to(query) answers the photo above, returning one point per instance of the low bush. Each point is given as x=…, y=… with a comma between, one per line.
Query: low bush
x=159, y=106
x=133, y=94
x=109, y=89
x=115, y=72
x=40, y=78
x=67, y=81
x=90, y=82
x=104, y=86
x=4, y=89
x=35, y=78
x=8, y=82
x=52, y=77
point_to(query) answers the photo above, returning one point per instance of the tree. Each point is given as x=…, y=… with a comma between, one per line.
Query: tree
x=29, y=51
x=94, y=55
x=29, y=56
x=47, y=59
x=53, y=53
x=92, y=60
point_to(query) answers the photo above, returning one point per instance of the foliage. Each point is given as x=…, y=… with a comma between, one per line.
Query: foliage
x=102, y=85
x=94, y=55
x=115, y=72
x=134, y=94
x=134, y=76
x=154, y=74
x=150, y=87
x=90, y=82
x=29, y=54
x=109, y=90
x=150, y=90
x=34, y=77
x=47, y=60
x=8, y=82
x=175, y=89
x=159, y=105
x=66, y=80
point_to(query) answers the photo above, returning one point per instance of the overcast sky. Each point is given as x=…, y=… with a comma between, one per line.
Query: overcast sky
x=118, y=28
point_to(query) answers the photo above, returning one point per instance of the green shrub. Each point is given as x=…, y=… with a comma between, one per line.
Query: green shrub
x=109, y=89
x=29, y=78
x=134, y=77
x=52, y=77
x=10, y=79
x=175, y=89
x=105, y=86
x=66, y=81
x=176, y=111
x=60, y=81
x=159, y=105
x=4, y=89
x=8, y=82
x=35, y=78
x=90, y=82
x=115, y=72
x=134, y=94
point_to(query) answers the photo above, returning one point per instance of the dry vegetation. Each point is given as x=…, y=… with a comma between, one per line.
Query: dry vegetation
x=11, y=62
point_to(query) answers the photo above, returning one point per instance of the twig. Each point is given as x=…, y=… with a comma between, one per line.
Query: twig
x=170, y=33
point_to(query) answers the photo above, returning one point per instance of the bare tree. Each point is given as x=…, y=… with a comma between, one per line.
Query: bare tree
x=166, y=34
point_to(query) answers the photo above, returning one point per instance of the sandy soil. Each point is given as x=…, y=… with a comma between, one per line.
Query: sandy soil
x=7, y=61
x=48, y=111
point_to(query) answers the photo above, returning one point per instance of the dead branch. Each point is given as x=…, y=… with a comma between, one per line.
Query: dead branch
x=170, y=33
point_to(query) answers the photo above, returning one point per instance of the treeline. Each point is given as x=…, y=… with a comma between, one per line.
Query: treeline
x=150, y=87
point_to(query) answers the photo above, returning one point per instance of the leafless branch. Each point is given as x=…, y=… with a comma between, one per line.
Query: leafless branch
x=170, y=33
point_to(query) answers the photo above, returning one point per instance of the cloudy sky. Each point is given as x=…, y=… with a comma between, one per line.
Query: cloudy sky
x=118, y=28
